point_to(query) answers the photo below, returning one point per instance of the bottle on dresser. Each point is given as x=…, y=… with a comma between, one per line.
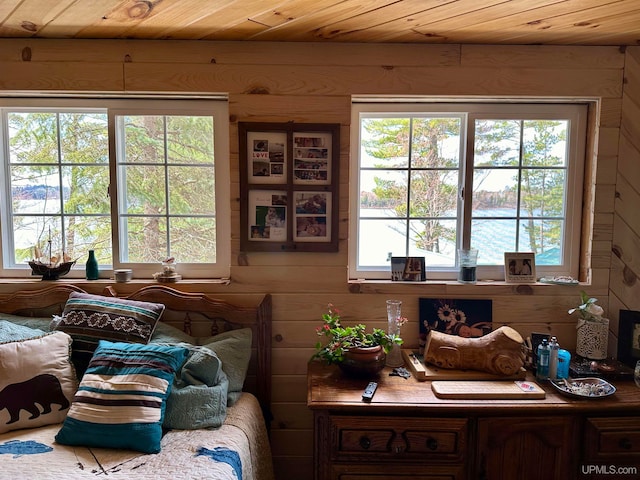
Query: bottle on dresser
x=554, y=347
x=542, y=368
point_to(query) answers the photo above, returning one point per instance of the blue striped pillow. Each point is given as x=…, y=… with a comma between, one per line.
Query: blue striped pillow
x=121, y=400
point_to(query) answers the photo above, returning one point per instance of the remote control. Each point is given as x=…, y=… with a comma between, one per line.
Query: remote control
x=367, y=395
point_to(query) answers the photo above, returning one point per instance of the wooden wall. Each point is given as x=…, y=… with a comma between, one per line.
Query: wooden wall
x=313, y=83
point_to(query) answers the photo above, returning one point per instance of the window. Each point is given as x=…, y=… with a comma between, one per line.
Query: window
x=428, y=179
x=136, y=180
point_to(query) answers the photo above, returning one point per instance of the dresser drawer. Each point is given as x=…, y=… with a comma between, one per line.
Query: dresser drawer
x=615, y=437
x=408, y=438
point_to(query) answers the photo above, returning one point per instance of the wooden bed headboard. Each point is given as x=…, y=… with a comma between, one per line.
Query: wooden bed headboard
x=196, y=314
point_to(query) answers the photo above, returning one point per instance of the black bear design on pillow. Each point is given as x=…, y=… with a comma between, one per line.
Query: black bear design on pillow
x=44, y=390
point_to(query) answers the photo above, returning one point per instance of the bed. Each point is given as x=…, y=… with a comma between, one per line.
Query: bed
x=81, y=438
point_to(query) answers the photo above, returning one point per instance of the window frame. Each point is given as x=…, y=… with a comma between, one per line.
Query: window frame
x=575, y=111
x=215, y=106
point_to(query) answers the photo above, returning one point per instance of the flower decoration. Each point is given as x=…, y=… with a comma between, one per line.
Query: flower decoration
x=588, y=311
x=343, y=338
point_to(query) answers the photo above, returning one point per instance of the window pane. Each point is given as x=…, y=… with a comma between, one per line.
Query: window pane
x=84, y=233
x=495, y=192
x=497, y=143
x=435, y=143
x=435, y=240
x=144, y=139
x=385, y=142
x=383, y=193
x=33, y=137
x=544, y=143
x=543, y=237
x=35, y=190
x=31, y=235
x=84, y=138
x=193, y=240
x=434, y=193
x=190, y=190
x=146, y=240
x=190, y=140
x=86, y=189
x=145, y=190
x=380, y=239
x=543, y=193
x=492, y=238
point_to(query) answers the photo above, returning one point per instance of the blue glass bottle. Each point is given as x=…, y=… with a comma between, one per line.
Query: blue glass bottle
x=542, y=369
x=92, y=266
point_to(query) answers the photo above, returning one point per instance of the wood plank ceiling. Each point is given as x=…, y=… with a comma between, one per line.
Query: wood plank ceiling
x=557, y=22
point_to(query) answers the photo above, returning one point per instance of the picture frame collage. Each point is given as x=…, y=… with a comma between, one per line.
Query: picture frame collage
x=289, y=177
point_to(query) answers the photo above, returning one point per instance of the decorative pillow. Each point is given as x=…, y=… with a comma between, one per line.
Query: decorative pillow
x=121, y=400
x=90, y=318
x=10, y=332
x=37, y=381
x=233, y=348
x=198, y=397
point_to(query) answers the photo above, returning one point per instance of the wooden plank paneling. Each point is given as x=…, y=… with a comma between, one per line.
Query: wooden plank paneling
x=45, y=76
x=537, y=56
x=321, y=80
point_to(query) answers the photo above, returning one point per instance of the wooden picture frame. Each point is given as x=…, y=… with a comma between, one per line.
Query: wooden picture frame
x=629, y=337
x=519, y=267
x=289, y=177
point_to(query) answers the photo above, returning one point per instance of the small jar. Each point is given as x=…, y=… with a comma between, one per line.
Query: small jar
x=169, y=267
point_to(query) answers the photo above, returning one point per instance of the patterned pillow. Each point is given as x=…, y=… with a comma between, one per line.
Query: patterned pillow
x=37, y=381
x=91, y=318
x=121, y=400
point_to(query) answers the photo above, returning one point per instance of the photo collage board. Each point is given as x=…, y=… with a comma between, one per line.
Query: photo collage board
x=289, y=198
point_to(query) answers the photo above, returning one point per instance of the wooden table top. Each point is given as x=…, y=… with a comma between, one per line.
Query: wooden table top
x=330, y=389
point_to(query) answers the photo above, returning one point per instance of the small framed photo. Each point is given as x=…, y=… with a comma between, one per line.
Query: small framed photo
x=408, y=269
x=519, y=267
x=629, y=337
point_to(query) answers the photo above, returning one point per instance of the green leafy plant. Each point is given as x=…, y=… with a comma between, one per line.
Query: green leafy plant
x=588, y=310
x=343, y=338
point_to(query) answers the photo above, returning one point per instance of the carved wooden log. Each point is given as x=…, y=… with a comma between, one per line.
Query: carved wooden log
x=500, y=352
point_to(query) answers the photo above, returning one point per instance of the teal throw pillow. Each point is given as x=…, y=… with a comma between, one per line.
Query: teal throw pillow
x=121, y=400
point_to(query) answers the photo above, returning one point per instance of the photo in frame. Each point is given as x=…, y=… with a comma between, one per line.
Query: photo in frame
x=461, y=317
x=520, y=267
x=629, y=337
x=268, y=218
x=408, y=269
x=266, y=157
x=312, y=211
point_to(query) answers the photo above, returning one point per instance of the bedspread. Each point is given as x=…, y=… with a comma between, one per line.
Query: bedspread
x=238, y=450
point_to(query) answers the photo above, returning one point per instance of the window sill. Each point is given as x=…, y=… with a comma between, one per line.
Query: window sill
x=442, y=288
x=135, y=284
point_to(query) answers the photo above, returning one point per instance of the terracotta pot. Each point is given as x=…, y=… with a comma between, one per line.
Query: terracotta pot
x=363, y=361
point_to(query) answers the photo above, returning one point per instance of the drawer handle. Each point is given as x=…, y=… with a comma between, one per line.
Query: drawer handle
x=432, y=443
x=365, y=442
x=625, y=443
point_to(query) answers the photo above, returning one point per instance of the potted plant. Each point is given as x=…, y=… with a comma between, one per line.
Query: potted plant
x=593, y=329
x=352, y=348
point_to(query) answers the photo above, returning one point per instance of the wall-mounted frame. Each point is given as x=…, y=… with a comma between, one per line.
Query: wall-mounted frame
x=629, y=337
x=289, y=178
x=520, y=267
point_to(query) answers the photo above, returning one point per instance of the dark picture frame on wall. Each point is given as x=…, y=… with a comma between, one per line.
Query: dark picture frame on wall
x=629, y=337
x=289, y=177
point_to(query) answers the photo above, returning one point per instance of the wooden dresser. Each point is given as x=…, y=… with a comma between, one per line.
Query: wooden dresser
x=407, y=432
